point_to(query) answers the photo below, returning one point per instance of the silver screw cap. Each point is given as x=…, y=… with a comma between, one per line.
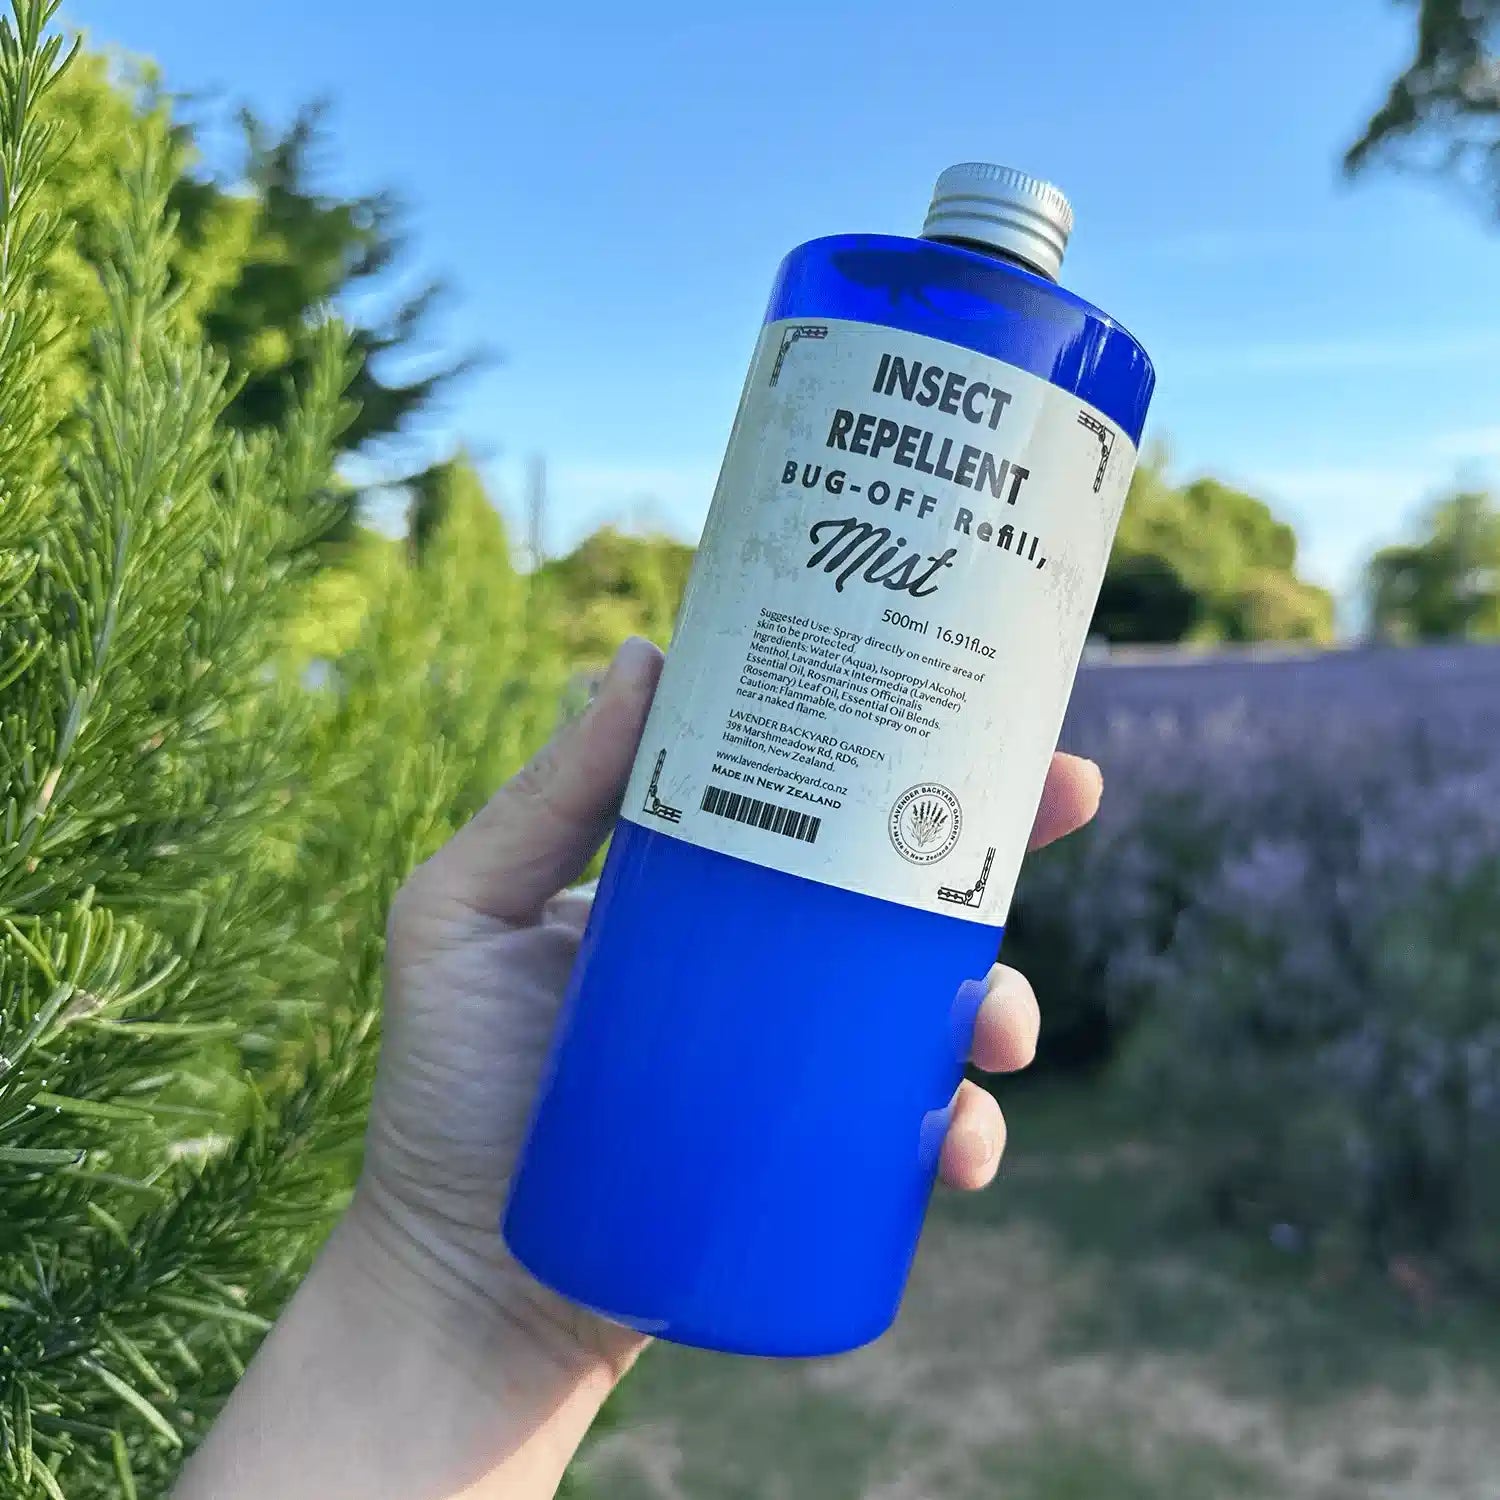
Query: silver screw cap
x=1001, y=209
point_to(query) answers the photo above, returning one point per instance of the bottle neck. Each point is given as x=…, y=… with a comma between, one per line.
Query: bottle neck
x=993, y=251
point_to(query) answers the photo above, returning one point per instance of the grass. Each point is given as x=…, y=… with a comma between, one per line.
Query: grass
x=1061, y=1464
x=1080, y=1334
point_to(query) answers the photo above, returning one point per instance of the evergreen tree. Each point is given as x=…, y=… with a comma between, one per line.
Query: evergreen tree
x=200, y=843
x=106, y=123
x=306, y=247
x=259, y=249
x=460, y=656
x=170, y=1108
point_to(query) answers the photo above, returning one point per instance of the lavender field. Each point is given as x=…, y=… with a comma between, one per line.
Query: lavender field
x=1284, y=932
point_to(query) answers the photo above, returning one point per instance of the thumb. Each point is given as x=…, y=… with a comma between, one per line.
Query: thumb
x=538, y=832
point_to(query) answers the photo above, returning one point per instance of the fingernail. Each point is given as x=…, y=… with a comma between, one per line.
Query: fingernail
x=978, y=1147
x=1098, y=773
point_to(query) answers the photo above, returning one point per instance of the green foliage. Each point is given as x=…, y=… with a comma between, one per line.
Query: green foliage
x=334, y=605
x=305, y=248
x=1442, y=115
x=614, y=584
x=1205, y=562
x=455, y=670
x=218, y=767
x=29, y=151
x=1445, y=584
x=105, y=122
x=253, y=260
x=169, y=1108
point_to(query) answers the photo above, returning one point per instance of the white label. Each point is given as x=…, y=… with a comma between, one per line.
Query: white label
x=893, y=589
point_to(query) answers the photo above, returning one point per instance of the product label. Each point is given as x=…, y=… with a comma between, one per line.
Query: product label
x=892, y=593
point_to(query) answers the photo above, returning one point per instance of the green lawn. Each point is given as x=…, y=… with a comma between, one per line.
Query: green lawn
x=1078, y=1334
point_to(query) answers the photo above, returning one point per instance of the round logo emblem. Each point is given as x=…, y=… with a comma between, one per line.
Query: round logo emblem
x=925, y=823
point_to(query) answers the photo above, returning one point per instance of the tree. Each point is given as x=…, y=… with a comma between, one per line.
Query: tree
x=106, y=123
x=1442, y=117
x=1145, y=599
x=453, y=491
x=257, y=254
x=1205, y=562
x=1446, y=583
x=200, y=845
x=614, y=584
x=174, y=1112
x=456, y=664
x=1442, y=114
x=307, y=248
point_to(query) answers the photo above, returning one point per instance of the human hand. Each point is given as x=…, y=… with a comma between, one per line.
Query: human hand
x=481, y=944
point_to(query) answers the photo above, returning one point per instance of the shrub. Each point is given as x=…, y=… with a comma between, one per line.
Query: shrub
x=199, y=844
x=1283, y=930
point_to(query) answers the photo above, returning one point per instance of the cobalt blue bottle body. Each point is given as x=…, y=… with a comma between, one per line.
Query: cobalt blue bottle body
x=739, y=1127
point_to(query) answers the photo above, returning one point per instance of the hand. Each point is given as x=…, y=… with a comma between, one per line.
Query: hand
x=481, y=943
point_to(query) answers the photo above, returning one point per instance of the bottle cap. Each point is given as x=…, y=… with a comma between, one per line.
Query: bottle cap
x=998, y=208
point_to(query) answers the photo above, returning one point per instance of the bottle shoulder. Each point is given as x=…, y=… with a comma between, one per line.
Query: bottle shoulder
x=975, y=300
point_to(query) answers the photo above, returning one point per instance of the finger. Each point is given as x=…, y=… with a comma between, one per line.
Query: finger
x=539, y=831
x=1069, y=798
x=1008, y=1023
x=975, y=1139
x=571, y=909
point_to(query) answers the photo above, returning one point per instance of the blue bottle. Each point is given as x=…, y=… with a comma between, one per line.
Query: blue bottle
x=739, y=1127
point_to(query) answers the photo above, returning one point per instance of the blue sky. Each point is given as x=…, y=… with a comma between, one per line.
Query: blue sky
x=608, y=189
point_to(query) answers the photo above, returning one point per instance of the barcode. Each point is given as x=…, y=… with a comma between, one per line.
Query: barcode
x=742, y=809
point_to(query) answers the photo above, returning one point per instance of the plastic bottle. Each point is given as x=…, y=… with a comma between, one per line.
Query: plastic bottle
x=739, y=1127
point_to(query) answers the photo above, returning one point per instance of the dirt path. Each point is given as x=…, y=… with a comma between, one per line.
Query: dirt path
x=1008, y=1376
